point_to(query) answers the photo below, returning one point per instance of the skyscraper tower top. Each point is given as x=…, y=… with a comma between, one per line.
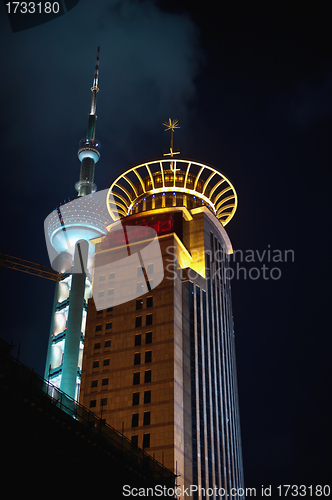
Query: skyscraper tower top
x=88, y=152
x=172, y=182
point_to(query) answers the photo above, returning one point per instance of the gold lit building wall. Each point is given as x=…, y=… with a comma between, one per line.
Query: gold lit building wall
x=168, y=380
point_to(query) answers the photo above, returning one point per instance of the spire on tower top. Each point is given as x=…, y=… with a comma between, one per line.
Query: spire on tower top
x=88, y=152
x=94, y=88
x=171, y=125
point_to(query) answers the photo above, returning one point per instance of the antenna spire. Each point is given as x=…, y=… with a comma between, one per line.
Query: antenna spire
x=88, y=152
x=94, y=88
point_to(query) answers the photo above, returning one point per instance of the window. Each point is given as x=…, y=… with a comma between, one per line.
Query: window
x=137, y=358
x=95, y=364
x=107, y=343
x=147, y=397
x=106, y=362
x=147, y=376
x=103, y=401
x=146, y=440
x=136, y=378
x=100, y=311
x=146, y=418
x=136, y=398
x=138, y=339
x=104, y=381
x=110, y=291
x=140, y=271
x=150, y=269
x=93, y=403
x=97, y=345
x=149, y=302
x=134, y=420
x=109, y=309
x=94, y=383
x=102, y=277
x=101, y=293
x=108, y=326
x=134, y=441
x=98, y=328
x=149, y=319
x=138, y=321
x=148, y=337
x=111, y=276
x=140, y=288
x=139, y=304
x=148, y=356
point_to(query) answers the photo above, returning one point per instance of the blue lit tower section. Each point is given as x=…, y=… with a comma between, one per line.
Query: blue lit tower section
x=69, y=229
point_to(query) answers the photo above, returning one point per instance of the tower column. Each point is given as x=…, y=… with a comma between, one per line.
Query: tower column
x=75, y=314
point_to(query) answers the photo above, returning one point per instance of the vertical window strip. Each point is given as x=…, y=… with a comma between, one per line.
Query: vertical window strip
x=193, y=386
x=214, y=391
x=207, y=386
x=200, y=387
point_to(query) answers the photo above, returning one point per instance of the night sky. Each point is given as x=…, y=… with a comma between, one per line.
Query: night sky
x=251, y=88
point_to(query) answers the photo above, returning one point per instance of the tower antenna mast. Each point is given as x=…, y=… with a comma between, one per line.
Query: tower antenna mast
x=94, y=90
x=88, y=152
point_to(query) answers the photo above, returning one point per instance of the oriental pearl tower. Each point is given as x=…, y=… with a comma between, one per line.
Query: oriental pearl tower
x=68, y=231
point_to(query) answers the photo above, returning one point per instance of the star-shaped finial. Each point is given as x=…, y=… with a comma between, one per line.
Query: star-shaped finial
x=171, y=125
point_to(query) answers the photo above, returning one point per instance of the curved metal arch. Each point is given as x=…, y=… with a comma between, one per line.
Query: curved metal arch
x=186, y=177
x=219, y=212
x=121, y=198
x=224, y=200
x=228, y=188
x=162, y=172
x=124, y=190
x=217, y=185
x=120, y=206
x=215, y=199
x=198, y=176
x=150, y=174
x=207, y=181
x=140, y=179
x=131, y=184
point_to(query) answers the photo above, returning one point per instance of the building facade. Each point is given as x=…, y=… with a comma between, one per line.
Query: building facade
x=159, y=365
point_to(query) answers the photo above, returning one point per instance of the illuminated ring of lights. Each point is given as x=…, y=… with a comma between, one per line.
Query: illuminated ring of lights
x=209, y=185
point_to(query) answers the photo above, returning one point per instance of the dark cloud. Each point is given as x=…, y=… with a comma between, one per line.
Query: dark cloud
x=148, y=64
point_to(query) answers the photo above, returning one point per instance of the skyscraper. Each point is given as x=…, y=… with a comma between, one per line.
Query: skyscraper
x=160, y=367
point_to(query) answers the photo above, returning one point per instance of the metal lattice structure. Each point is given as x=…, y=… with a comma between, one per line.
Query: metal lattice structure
x=28, y=267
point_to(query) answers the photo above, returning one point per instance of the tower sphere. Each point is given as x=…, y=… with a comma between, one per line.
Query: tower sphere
x=88, y=149
x=85, y=217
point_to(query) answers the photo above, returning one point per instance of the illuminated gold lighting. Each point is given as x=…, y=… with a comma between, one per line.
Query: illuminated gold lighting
x=140, y=179
x=187, y=172
x=207, y=182
x=171, y=125
x=150, y=174
x=132, y=185
x=204, y=179
x=199, y=174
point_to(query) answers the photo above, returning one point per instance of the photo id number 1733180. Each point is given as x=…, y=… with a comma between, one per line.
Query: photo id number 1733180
x=303, y=490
